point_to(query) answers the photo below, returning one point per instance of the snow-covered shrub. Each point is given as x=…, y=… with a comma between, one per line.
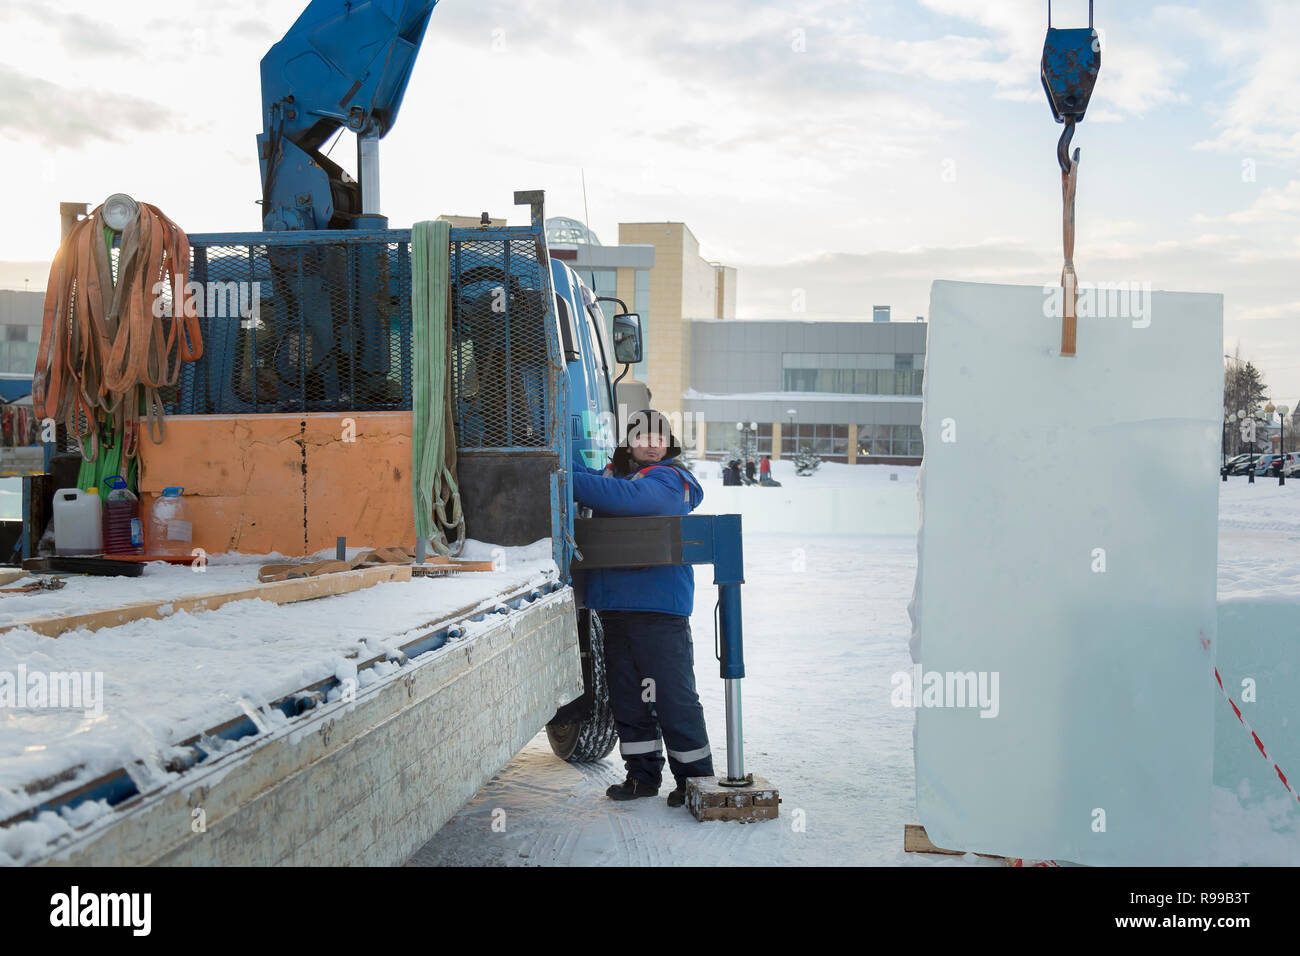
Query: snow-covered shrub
x=805, y=462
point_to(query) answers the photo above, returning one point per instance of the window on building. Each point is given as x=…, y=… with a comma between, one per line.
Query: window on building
x=895, y=441
x=824, y=440
x=18, y=357
x=865, y=373
x=721, y=437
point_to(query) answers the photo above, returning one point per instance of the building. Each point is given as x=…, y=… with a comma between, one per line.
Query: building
x=848, y=391
x=21, y=317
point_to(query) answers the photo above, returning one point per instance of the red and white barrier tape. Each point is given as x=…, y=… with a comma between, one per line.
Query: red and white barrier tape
x=1259, y=745
x=1254, y=736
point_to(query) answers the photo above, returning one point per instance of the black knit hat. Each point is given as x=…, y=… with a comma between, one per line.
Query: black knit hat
x=647, y=421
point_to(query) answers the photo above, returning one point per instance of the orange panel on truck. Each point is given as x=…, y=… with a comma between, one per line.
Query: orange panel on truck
x=286, y=483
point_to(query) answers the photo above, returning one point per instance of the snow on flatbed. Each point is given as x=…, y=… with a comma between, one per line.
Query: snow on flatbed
x=165, y=681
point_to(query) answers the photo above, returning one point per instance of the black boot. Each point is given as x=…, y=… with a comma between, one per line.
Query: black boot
x=631, y=789
x=677, y=798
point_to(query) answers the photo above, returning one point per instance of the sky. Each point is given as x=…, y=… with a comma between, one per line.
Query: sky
x=839, y=153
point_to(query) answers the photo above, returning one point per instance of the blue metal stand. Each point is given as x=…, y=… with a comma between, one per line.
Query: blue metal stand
x=686, y=539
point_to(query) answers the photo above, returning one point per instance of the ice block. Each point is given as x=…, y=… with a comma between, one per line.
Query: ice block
x=1064, y=610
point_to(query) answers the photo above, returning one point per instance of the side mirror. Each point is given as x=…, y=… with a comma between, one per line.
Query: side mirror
x=627, y=338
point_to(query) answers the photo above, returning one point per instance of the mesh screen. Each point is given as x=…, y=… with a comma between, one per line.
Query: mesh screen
x=499, y=361
x=309, y=326
x=293, y=327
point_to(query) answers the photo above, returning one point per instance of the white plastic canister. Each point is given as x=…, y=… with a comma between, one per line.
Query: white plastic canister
x=78, y=522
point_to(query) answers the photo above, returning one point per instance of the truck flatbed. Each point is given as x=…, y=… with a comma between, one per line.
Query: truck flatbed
x=248, y=685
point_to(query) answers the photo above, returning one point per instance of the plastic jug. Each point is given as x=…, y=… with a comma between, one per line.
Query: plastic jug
x=170, y=530
x=123, y=532
x=78, y=522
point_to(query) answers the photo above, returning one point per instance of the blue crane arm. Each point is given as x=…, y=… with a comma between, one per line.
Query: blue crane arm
x=343, y=64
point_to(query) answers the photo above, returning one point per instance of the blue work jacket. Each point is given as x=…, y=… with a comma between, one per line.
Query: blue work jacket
x=655, y=489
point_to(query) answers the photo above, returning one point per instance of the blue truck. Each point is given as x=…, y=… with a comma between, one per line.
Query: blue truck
x=533, y=389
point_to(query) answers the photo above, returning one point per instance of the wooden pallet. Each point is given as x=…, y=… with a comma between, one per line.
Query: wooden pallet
x=707, y=799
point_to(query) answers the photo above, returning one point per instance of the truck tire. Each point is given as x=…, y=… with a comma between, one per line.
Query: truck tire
x=589, y=734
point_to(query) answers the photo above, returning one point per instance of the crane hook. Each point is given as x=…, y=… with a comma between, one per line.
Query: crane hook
x=1063, y=148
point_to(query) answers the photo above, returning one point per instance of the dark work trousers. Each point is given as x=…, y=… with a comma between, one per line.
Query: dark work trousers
x=650, y=660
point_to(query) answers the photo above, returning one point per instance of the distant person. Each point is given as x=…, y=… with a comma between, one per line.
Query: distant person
x=750, y=471
x=765, y=468
x=731, y=474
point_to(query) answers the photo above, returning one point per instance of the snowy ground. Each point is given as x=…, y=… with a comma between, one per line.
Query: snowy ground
x=818, y=722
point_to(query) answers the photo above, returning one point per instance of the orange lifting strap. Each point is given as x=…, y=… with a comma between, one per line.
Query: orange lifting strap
x=108, y=346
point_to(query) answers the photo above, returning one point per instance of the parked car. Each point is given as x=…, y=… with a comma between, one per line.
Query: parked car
x=1239, y=465
x=1247, y=464
x=1271, y=464
x=1264, y=465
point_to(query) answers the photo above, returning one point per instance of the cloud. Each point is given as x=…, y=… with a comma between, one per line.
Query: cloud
x=1254, y=45
x=1135, y=76
x=85, y=37
x=837, y=286
x=53, y=116
x=1273, y=205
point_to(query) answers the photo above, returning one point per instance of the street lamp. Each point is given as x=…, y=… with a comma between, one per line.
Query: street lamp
x=1281, y=470
x=1241, y=441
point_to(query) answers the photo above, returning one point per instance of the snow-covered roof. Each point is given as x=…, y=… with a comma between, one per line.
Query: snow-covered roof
x=802, y=397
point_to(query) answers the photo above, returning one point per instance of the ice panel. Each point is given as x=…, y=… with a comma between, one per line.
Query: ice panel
x=1068, y=546
x=1259, y=660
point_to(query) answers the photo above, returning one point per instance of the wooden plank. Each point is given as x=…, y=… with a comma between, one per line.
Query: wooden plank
x=278, y=592
x=916, y=840
x=434, y=568
x=10, y=575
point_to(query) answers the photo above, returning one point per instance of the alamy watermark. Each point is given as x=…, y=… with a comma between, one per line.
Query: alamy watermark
x=211, y=300
x=975, y=689
x=1103, y=300
x=53, y=690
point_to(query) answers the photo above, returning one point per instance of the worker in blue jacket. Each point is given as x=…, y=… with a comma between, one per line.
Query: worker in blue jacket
x=645, y=613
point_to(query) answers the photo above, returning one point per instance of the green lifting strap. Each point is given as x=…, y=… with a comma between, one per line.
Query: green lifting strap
x=438, y=517
x=108, y=462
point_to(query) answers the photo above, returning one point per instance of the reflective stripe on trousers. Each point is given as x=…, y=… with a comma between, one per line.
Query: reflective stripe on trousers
x=687, y=756
x=628, y=747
